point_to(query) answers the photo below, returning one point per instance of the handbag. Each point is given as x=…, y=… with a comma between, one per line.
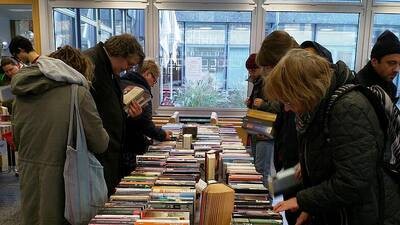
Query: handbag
x=85, y=187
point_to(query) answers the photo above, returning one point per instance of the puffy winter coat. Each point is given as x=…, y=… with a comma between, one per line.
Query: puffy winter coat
x=340, y=169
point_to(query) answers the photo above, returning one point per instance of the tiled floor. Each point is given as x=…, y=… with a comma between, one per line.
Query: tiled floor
x=9, y=199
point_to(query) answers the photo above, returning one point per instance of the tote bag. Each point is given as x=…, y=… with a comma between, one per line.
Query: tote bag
x=85, y=187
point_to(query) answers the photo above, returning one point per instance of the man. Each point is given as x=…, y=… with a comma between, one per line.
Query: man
x=262, y=147
x=139, y=129
x=117, y=54
x=22, y=49
x=383, y=66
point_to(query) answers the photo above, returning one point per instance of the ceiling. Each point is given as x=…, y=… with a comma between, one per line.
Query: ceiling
x=16, y=12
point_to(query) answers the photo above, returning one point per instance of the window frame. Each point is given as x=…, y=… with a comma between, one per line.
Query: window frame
x=201, y=111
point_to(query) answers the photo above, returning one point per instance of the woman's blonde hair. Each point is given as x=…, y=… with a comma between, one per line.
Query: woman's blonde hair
x=300, y=79
x=150, y=65
x=75, y=59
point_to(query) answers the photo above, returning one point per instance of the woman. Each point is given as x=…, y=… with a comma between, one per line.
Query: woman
x=141, y=127
x=340, y=173
x=40, y=121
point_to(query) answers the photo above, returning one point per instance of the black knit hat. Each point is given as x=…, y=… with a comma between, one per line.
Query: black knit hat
x=386, y=44
x=251, y=62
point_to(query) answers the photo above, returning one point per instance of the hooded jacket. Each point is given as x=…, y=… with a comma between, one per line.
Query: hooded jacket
x=321, y=50
x=40, y=123
x=367, y=76
x=141, y=127
x=339, y=169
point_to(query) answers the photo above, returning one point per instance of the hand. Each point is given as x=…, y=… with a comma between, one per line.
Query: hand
x=297, y=172
x=290, y=205
x=303, y=219
x=257, y=102
x=134, y=109
x=128, y=88
x=247, y=101
x=168, y=135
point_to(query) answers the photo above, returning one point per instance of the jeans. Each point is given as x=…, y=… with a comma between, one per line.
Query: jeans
x=264, y=159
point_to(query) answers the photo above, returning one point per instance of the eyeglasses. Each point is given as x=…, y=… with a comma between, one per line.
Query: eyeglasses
x=154, y=78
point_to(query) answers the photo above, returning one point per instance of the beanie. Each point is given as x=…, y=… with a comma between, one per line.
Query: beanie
x=274, y=47
x=251, y=62
x=386, y=44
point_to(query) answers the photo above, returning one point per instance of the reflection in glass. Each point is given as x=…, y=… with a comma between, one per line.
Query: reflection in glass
x=105, y=17
x=88, y=36
x=118, y=26
x=335, y=31
x=321, y=1
x=202, y=57
x=88, y=13
x=64, y=31
x=104, y=35
x=91, y=30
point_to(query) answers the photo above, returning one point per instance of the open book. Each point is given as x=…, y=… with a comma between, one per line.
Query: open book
x=136, y=94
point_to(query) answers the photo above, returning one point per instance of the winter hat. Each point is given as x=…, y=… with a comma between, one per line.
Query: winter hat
x=251, y=62
x=274, y=47
x=386, y=44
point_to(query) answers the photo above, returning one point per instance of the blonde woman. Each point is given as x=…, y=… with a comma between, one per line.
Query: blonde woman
x=141, y=127
x=339, y=172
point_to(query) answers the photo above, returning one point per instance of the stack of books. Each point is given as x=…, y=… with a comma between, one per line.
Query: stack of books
x=259, y=122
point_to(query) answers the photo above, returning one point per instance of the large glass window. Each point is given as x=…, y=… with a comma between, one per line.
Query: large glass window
x=93, y=28
x=64, y=29
x=336, y=31
x=202, y=56
x=320, y=1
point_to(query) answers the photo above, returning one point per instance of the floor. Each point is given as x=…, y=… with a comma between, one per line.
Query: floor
x=9, y=199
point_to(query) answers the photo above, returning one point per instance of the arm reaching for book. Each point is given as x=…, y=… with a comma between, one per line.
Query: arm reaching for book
x=290, y=205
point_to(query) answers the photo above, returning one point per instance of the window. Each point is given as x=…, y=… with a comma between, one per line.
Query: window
x=64, y=29
x=310, y=1
x=336, y=31
x=386, y=1
x=111, y=22
x=202, y=56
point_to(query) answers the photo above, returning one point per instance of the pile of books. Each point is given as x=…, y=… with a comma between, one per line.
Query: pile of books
x=259, y=122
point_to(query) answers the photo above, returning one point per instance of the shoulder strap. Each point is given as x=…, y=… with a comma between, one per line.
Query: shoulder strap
x=372, y=97
x=72, y=111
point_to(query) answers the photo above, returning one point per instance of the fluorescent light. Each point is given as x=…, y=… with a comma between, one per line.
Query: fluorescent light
x=326, y=29
x=241, y=28
x=20, y=10
x=205, y=28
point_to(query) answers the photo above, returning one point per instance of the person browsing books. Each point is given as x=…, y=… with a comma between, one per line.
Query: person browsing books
x=139, y=129
x=41, y=115
x=262, y=147
x=343, y=182
x=116, y=55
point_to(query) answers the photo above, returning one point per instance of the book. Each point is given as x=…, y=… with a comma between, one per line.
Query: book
x=136, y=94
x=217, y=204
x=283, y=181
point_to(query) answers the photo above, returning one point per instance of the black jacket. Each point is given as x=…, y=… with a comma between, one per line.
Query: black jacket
x=258, y=92
x=367, y=76
x=339, y=169
x=138, y=129
x=108, y=98
x=321, y=50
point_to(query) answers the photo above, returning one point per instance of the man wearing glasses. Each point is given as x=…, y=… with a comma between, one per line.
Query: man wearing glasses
x=22, y=50
x=116, y=55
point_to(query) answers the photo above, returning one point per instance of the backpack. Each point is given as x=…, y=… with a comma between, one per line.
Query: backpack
x=389, y=119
